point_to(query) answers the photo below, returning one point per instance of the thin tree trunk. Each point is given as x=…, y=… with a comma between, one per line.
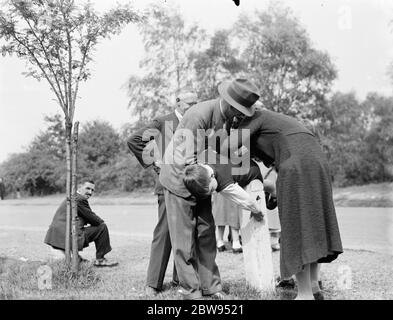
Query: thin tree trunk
x=74, y=209
x=68, y=126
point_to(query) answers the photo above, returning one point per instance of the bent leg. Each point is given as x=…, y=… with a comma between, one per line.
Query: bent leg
x=100, y=235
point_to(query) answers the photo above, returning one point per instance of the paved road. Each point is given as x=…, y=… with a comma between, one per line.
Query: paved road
x=361, y=228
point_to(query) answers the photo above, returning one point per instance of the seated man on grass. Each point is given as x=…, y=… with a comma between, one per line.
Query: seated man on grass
x=97, y=230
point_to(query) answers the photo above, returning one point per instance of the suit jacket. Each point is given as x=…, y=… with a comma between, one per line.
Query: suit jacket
x=56, y=233
x=196, y=131
x=149, y=143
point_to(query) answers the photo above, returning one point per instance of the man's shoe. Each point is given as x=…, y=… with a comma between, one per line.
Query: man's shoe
x=151, y=292
x=105, y=263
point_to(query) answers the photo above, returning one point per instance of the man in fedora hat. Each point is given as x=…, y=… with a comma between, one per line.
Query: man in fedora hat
x=190, y=219
x=159, y=132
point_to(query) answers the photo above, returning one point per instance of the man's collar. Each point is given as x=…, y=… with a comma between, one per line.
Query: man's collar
x=80, y=196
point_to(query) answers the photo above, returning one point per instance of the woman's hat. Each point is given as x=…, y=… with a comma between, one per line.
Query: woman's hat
x=240, y=94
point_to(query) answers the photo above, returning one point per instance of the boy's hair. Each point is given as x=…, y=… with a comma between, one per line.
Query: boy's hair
x=197, y=180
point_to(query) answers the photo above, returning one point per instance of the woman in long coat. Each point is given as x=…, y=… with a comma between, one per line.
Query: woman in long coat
x=309, y=228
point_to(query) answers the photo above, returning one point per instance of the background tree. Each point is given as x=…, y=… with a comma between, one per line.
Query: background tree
x=217, y=63
x=99, y=145
x=343, y=138
x=379, y=139
x=40, y=169
x=293, y=77
x=167, y=62
x=57, y=38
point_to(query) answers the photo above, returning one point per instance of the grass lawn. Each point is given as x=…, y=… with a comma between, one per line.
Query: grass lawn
x=371, y=277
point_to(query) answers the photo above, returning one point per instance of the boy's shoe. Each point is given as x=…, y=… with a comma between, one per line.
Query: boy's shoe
x=237, y=250
x=221, y=248
x=105, y=263
x=237, y=247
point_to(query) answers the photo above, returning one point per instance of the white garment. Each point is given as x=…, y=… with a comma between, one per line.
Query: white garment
x=178, y=115
x=237, y=194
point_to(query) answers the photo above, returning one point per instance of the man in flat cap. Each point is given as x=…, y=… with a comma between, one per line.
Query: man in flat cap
x=190, y=219
x=148, y=145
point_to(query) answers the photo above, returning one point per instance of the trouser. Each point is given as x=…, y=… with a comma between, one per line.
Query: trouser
x=100, y=235
x=192, y=231
x=160, y=249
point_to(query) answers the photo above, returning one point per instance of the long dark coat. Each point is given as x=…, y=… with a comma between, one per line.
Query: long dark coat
x=309, y=228
x=55, y=236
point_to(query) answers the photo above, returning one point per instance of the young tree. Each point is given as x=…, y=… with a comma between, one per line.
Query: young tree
x=167, y=63
x=57, y=39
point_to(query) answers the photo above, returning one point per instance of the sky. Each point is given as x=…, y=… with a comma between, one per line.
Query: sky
x=357, y=34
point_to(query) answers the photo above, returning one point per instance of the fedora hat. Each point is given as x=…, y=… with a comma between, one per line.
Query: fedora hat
x=240, y=94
